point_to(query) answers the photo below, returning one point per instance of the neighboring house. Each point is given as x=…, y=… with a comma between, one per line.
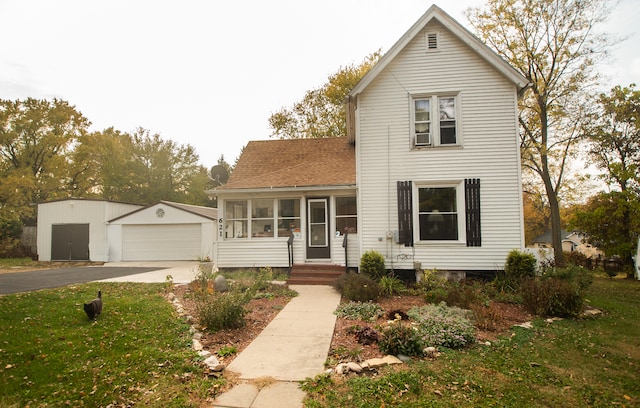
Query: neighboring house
x=429, y=174
x=104, y=231
x=572, y=241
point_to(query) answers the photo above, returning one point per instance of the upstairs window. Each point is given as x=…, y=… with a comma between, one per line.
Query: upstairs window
x=439, y=132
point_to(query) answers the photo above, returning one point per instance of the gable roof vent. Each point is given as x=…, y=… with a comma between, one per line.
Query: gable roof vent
x=432, y=41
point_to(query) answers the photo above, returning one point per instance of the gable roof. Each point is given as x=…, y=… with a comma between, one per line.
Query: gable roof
x=436, y=13
x=206, y=212
x=294, y=163
x=546, y=237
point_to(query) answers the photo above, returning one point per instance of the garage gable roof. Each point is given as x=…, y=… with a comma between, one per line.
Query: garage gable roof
x=294, y=163
x=205, y=212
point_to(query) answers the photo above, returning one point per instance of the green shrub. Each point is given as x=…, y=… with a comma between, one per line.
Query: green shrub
x=366, y=311
x=581, y=277
x=390, y=285
x=227, y=351
x=560, y=292
x=486, y=316
x=223, y=310
x=464, y=294
x=372, y=264
x=400, y=338
x=443, y=326
x=518, y=266
x=577, y=259
x=430, y=280
x=358, y=287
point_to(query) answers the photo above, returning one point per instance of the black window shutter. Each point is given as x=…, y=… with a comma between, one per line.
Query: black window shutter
x=405, y=214
x=472, y=207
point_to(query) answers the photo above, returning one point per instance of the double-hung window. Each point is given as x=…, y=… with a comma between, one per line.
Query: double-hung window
x=438, y=213
x=434, y=121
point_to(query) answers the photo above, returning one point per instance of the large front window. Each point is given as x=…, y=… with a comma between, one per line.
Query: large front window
x=438, y=213
x=261, y=218
x=434, y=121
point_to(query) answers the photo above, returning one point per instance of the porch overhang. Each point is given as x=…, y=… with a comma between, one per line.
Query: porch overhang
x=296, y=189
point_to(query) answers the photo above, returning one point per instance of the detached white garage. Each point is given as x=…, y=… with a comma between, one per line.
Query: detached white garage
x=165, y=231
x=98, y=230
x=75, y=229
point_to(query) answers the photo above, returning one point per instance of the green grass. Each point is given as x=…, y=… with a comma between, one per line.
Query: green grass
x=15, y=262
x=137, y=352
x=590, y=362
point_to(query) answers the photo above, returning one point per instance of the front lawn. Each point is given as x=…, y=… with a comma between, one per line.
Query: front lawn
x=137, y=352
x=591, y=361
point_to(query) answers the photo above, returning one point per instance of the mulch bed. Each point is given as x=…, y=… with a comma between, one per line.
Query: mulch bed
x=262, y=311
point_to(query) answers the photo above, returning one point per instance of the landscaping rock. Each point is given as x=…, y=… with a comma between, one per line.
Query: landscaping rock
x=391, y=360
x=220, y=284
x=403, y=358
x=213, y=364
x=355, y=367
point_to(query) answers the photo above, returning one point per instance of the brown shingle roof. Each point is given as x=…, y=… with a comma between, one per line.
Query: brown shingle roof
x=294, y=163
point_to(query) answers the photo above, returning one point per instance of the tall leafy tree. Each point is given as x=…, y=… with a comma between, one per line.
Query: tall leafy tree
x=611, y=220
x=35, y=137
x=552, y=43
x=102, y=165
x=163, y=169
x=614, y=136
x=138, y=168
x=321, y=111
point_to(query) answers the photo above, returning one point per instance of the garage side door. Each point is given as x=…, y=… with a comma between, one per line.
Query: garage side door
x=70, y=242
x=169, y=242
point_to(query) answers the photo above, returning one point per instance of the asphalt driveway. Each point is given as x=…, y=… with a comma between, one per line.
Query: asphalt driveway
x=55, y=278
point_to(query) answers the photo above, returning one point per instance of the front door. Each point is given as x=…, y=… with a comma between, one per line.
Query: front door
x=318, y=228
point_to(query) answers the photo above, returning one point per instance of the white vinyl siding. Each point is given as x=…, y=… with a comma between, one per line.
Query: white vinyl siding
x=93, y=212
x=162, y=242
x=487, y=121
x=258, y=253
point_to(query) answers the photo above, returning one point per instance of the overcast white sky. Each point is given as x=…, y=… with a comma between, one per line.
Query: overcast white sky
x=207, y=73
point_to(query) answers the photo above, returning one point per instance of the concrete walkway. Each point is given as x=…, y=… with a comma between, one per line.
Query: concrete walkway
x=180, y=271
x=292, y=347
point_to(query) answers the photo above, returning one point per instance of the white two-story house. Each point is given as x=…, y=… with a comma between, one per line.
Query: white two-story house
x=428, y=174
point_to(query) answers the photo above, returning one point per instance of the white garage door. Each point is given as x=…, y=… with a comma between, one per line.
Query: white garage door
x=169, y=242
